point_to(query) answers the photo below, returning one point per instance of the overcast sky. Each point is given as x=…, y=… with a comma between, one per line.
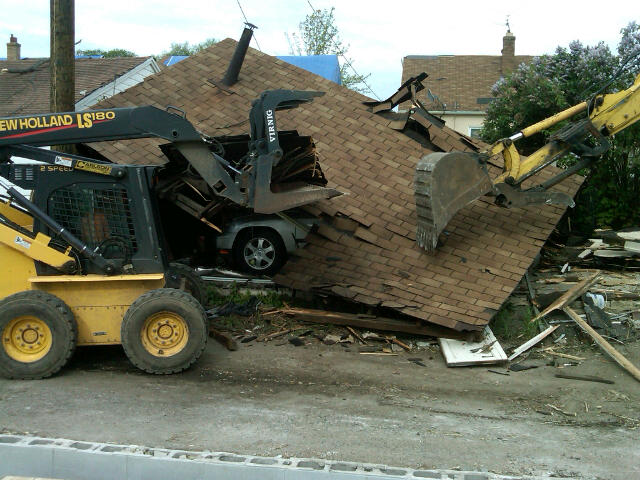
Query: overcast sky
x=379, y=33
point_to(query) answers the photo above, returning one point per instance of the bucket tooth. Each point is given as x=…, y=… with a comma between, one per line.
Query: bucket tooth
x=445, y=183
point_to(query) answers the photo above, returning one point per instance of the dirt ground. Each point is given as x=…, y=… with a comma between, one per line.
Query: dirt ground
x=332, y=402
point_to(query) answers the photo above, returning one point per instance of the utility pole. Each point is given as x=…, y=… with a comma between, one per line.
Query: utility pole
x=62, y=60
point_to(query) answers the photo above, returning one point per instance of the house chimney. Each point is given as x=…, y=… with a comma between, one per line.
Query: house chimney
x=13, y=48
x=508, y=60
x=231, y=76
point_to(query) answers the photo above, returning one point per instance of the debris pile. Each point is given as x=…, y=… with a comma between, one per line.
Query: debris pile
x=607, y=249
x=250, y=321
x=588, y=299
x=611, y=306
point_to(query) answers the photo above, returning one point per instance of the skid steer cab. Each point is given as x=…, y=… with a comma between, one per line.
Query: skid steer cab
x=85, y=259
x=89, y=269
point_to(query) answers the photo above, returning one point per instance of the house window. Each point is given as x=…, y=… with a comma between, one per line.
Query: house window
x=474, y=132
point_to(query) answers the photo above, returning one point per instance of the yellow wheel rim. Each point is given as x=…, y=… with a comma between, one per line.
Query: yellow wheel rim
x=27, y=339
x=164, y=334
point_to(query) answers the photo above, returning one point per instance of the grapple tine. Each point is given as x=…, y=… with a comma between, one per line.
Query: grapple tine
x=268, y=202
x=445, y=183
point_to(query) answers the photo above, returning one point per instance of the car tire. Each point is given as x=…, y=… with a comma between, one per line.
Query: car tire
x=259, y=251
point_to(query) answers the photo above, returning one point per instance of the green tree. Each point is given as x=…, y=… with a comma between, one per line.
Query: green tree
x=187, y=49
x=113, y=53
x=550, y=83
x=319, y=35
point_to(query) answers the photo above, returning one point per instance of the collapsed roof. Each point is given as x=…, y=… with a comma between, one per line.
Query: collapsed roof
x=367, y=251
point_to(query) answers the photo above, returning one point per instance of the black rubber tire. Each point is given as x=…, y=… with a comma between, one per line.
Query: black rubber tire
x=193, y=283
x=57, y=316
x=164, y=300
x=245, y=237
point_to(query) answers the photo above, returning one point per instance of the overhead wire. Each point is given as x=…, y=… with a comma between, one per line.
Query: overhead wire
x=247, y=21
x=348, y=62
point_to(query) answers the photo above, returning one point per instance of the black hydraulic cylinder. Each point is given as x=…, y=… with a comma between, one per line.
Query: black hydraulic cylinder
x=68, y=237
x=584, y=163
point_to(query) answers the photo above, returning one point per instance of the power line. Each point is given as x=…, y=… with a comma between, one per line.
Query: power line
x=347, y=61
x=247, y=21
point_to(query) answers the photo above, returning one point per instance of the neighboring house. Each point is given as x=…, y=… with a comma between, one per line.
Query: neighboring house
x=25, y=84
x=327, y=66
x=459, y=86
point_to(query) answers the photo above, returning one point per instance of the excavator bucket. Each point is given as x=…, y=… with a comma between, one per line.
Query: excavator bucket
x=445, y=183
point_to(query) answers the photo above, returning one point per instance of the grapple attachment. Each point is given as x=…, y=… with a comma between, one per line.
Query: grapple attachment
x=445, y=183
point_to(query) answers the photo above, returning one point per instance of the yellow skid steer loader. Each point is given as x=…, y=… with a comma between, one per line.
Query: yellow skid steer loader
x=84, y=260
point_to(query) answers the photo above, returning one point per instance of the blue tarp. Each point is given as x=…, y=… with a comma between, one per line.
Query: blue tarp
x=326, y=66
x=173, y=59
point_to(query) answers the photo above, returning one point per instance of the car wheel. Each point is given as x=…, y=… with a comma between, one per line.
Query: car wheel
x=259, y=251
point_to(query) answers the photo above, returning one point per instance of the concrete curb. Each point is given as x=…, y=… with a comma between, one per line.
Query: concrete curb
x=77, y=460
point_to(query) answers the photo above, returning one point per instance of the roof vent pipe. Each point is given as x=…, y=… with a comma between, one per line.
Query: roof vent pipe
x=231, y=77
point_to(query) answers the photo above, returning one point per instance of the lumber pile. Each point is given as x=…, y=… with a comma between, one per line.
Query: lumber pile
x=607, y=249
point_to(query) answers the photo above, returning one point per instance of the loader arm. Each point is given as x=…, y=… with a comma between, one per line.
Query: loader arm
x=250, y=186
x=446, y=182
x=116, y=124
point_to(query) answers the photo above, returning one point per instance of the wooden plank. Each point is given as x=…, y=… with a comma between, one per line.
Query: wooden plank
x=401, y=344
x=603, y=344
x=585, y=253
x=569, y=296
x=461, y=354
x=551, y=351
x=527, y=345
x=613, y=254
x=379, y=354
x=372, y=322
x=586, y=378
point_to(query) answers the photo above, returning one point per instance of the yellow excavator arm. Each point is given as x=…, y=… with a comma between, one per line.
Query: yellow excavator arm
x=446, y=182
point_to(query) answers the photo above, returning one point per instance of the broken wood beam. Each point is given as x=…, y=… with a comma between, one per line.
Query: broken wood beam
x=603, y=344
x=569, y=296
x=401, y=344
x=357, y=335
x=372, y=322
